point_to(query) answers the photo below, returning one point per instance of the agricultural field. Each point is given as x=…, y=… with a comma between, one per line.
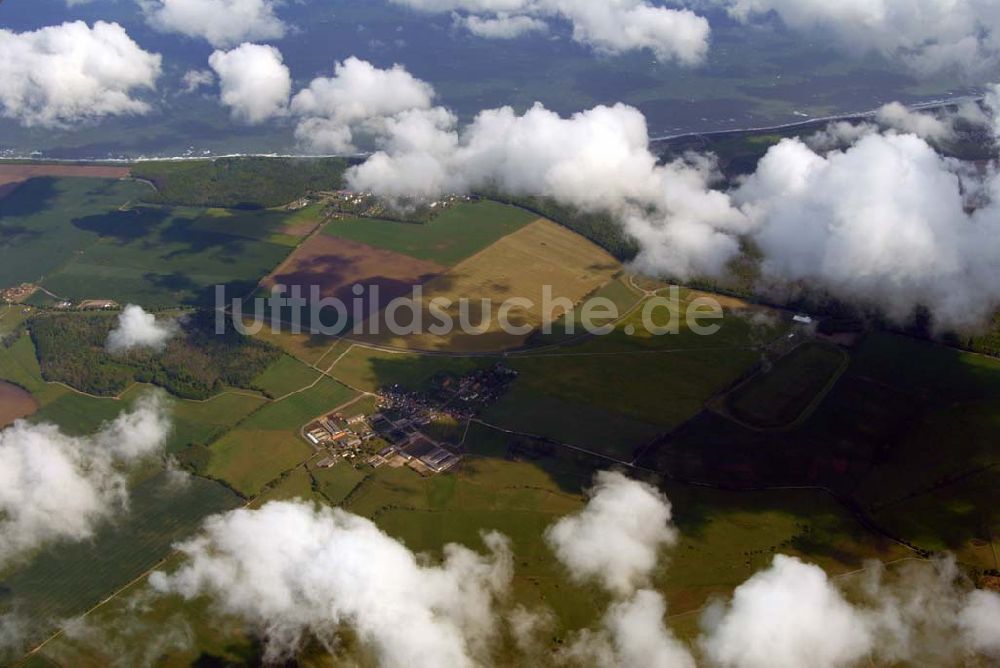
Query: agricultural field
x=450, y=237
x=516, y=266
x=13, y=174
x=37, y=235
x=651, y=383
x=82, y=239
x=284, y=376
x=908, y=426
x=781, y=395
x=335, y=265
x=159, y=257
x=268, y=443
x=368, y=369
x=66, y=580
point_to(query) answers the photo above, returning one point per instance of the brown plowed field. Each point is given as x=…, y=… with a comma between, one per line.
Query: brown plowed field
x=336, y=264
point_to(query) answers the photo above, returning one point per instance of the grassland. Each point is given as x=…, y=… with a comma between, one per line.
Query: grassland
x=36, y=236
x=782, y=394
x=82, y=238
x=368, y=369
x=285, y=375
x=649, y=382
x=516, y=266
x=160, y=257
x=447, y=239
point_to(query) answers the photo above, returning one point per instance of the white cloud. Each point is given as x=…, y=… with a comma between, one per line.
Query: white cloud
x=68, y=73
x=882, y=223
x=618, y=537
x=138, y=329
x=787, y=616
x=927, y=126
x=608, y=26
x=596, y=160
x=980, y=622
x=792, y=614
x=928, y=35
x=57, y=487
x=501, y=26
x=358, y=96
x=194, y=80
x=633, y=634
x=254, y=81
x=223, y=23
x=294, y=569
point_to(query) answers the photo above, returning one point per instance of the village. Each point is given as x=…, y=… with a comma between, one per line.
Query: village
x=411, y=428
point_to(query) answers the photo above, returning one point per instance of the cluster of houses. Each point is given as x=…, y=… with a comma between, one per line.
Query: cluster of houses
x=341, y=438
x=18, y=293
x=402, y=427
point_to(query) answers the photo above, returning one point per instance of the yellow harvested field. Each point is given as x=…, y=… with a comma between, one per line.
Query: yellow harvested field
x=517, y=266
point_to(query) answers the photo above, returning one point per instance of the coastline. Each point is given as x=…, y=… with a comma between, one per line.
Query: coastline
x=929, y=105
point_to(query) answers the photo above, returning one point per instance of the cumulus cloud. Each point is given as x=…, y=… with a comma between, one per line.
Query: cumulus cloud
x=608, y=26
x=58, y=487
x=501, y=26
x=254, y=81
x=296, y=571
x=358, y=96
x=924, y=125
x=138, y=329
x=792, y=614
x=65, y=74
x=928, y=35
x=293, y=569
x=223, y=23
x=882, y=223
x=618, y=537
x=787, y=616
x=633, y=633
x=596, y=160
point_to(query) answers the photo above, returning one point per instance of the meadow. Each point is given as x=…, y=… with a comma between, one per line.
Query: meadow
x=781, y=395
x=449, y=238
x=36, y=235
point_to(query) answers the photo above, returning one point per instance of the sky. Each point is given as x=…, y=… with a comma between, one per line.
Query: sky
x=717, y=65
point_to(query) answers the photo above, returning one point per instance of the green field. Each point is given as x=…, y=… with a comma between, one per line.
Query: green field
x=908, y=433
x=85, y=239
x=67, y=579
x=447, y=239
x=636, y=384
x=268, y=443
x=37, y=235
x=781, y=395
x=159, y=257
x=368, y=369
x=285, y=375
